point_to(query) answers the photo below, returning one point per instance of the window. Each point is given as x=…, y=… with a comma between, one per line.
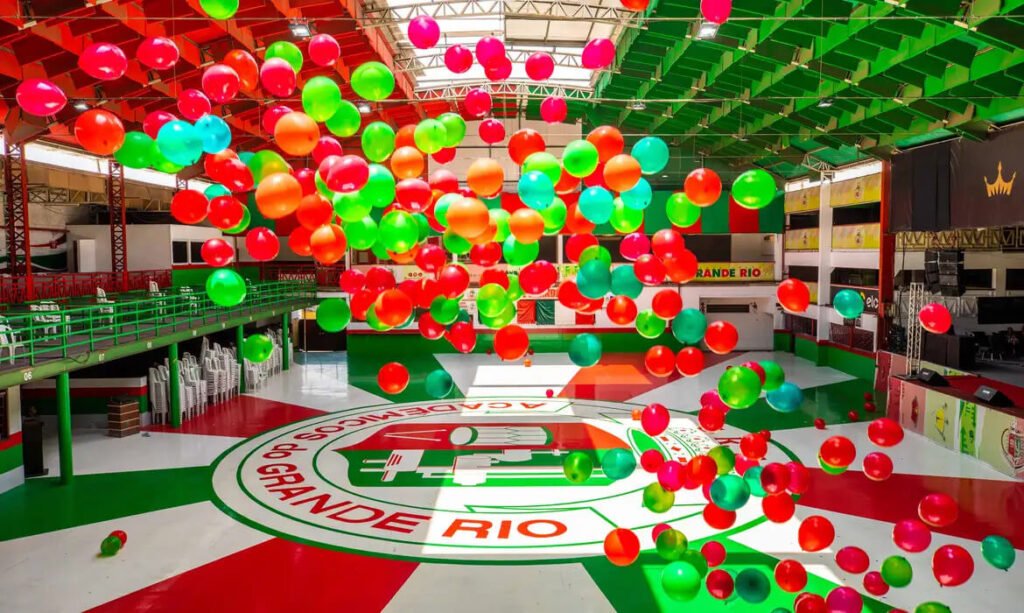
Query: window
x=855, y=276
x=179, y=252
x=808, y=274
x=196, y=252
x=1015, y=278
x=977, y=278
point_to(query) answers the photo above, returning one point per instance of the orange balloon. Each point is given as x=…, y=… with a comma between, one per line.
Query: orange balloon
x=314, y=211
x=245, y=66
x=296, y=133
x=328, y=243
x=406, y=136
x=621, y=173
x=608, y=140
x=468, y=217
x=407, y=163
x=526, y=225
x=407, y=257
x=567, y=184
x=485, y=177
x=278, y=195
x=575, y=222
x=487, y=235
x=99, y=131
x=298, y=241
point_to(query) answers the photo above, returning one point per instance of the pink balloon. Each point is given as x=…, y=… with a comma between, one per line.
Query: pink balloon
x=220, y=83
x=491, y=131
x=271, y=115
x=158, y=53
x=874, y=584
x=911, y=535
x=424, y=32
x=193, y=104
x=634, y=245
x=458, y=59
x=277, y=77
x=155, y=120
x=716, y=11
x=103, y=61
x=499, y=69
x=670, y=475
x=477, y=102
x=599, y=53
x=654, y=418
x=324, y=50
x=952, y=565
x=853, y=560
x=306, y=178
x=539, y=66
x=40, y=97
x=327, y=145
x=711, y=398
x=346, y=173
x=799, y=478
x=554, y=109
x=489, y=49
x=844, y=600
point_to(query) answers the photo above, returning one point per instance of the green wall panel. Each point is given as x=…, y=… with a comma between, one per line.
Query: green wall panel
x=10, y=458
x=851, y=363
x=782, y=341
x=808, y=350
x=197, y=276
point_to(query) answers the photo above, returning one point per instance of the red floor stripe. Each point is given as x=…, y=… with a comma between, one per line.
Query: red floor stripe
x=277, y=575
x=621, y=376
x=986, y=506
x=242, y=416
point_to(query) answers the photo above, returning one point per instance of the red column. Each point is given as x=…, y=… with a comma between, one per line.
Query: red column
x=118, y=231
x=19, y=244
x=886, y=260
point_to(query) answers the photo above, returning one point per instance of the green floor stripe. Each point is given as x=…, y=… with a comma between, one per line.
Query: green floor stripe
x=638, y=587
x=44, y=505
x=830, y=402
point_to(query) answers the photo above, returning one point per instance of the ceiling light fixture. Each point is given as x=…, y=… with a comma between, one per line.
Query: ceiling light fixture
x=824, y=103
x=364, y=108
x=300, y=29
x=81, y=106
x=707, y=30
x=637, y=105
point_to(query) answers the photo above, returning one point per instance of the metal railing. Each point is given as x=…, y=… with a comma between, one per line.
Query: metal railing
x=38, y=332
x=57, y=285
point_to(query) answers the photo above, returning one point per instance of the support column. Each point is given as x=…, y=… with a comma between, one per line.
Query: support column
x=118, y=231
x=174, y=392
x=19, y=251
x=239, y=341
x=886, y=263
x=67, y=470
x=824, y=263
x=286, y=340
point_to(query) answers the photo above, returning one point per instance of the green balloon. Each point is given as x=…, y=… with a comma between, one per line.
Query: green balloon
x=501, y=217
x=444, y=310
x=373, y=81
x=333, y=314
x=754, y=189
x=596, y=252
x=752, y=585
x=438, y=383
x=681, y=211
x=585, y=350
x=430, y=136
x=216, y=190
x=378, y=141
x=544, y=162
x=696, y=559
x=625, y=219
x=491, y=300
x=554, y=217
x=730, y=492
x=753, y=478
x=774, y=376
x=515, y=291
x=580, y=158
x=455, y=243
x=688, y=326
x=848, y=303
x=265, y=163
x=897, y=572
x=739, y=387
x=671, y=544
x=257, y=348
x=577, y=467
x=652, y=154
x=725, y=458
x=681, y=581
x=441, y=208
x=225, y=287
x=345, y=121
x=321, y=187
x=137, y=151
x=501, y=319
x=219, y=9
x=648, y=325
x=379, y=190
x=618, y=463
x=518, y=254
x=828, y=468
x=286, y=51
x=361, y=234
x=374, y=321
x=350, y=206
x=321, y=98
x=625, y=283
x=242, y=225
x=594, y=280
x=110, y=546
x=657, y=499
x=379, y=250
x=162, y=164
x=454, y=129
x=998, y=551
x=932, y=607
x=399, y=231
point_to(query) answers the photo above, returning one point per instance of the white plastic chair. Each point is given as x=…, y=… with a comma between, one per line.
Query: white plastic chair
x=8, y=340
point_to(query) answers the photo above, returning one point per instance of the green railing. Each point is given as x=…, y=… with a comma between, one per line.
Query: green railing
x=39, y=332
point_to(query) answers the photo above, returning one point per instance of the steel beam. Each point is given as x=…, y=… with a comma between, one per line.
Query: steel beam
x=19, y=244
x=117, y=218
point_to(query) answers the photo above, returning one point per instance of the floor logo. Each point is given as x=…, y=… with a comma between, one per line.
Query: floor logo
x=464, y=480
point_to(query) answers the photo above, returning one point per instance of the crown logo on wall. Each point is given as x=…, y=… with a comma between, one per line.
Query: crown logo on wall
x=1000, y=187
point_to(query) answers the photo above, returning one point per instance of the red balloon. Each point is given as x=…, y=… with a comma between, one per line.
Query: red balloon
x=911, y=535
x=477, y=102
x=717, y=517
x=621, y=547
x=328, y=244
x=885, y=432
x=158, y=53
x=720, y=584
x=155, y=120
x=539, y=67
x=775, y=478
x=298, y=241
x=712, y=419
x=554, y=109
x=225, y=212
x=874, y=584
x=393, y=307
x=622, y=311
x=683, y=268
x=649, y=270
x=454, y=280
x=838, y=451
x=511, y=342
x=327, y=145
x=794, y=295
x=272, y=114
x=431, y=258
x=462, y=336
x=393, y=378
x=262, y=244
x=491, y=131
x=655, y=418
x=458, y=59
x=232, y=173
x=525, y=143
x=189, y=206
x=499, y=69
x=314, y=211
x=324, y=50
x=217, y=252
x=757, y=368
x=634, y=245
x=413, y=195
x=220, y=82
x=778, y=508
x=938, y=510
x=667, y=244
x=713, y=552
x=379, y=279
x=721, y=337
x=690, y=361
x=703, y=469
x=193, y=104
x=659, y=360
x=935, y=318
x=278, y=77
x=753, y=446
x=429, y=328
x=809, y=603
x=537, y=277
x=799, y=478
x=651, y=460
x=103, y=61
x=444, y=181
x=494, y=276
x=815, y=533
x=877, y=466
x=351, y=281
x=444, y=156
x=952, y=565
x=790, y=575
x=667, y=303
x=576, y=244
x=703, y=187
x=853, y=560
x=819, y=423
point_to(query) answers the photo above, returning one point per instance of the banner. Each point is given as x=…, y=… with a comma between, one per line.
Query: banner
x=856, y=191
x=803, y=200
x=920, y=189
x=984, y=187
x=730, y=272
x=804, y=239
x=857, y=236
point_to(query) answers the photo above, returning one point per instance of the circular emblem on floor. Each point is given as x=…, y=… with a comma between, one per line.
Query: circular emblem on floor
x=460, y=480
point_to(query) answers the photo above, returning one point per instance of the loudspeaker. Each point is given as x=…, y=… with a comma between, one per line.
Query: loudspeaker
x=932, y=378
x=992, y=396
x=943, y=271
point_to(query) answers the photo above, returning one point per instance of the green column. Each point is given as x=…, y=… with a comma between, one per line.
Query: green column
x=286, y=340
x=67, y=471
x=239, y=340
x=174, y=392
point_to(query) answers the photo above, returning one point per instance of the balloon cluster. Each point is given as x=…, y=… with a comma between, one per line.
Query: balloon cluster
x=113, y=543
